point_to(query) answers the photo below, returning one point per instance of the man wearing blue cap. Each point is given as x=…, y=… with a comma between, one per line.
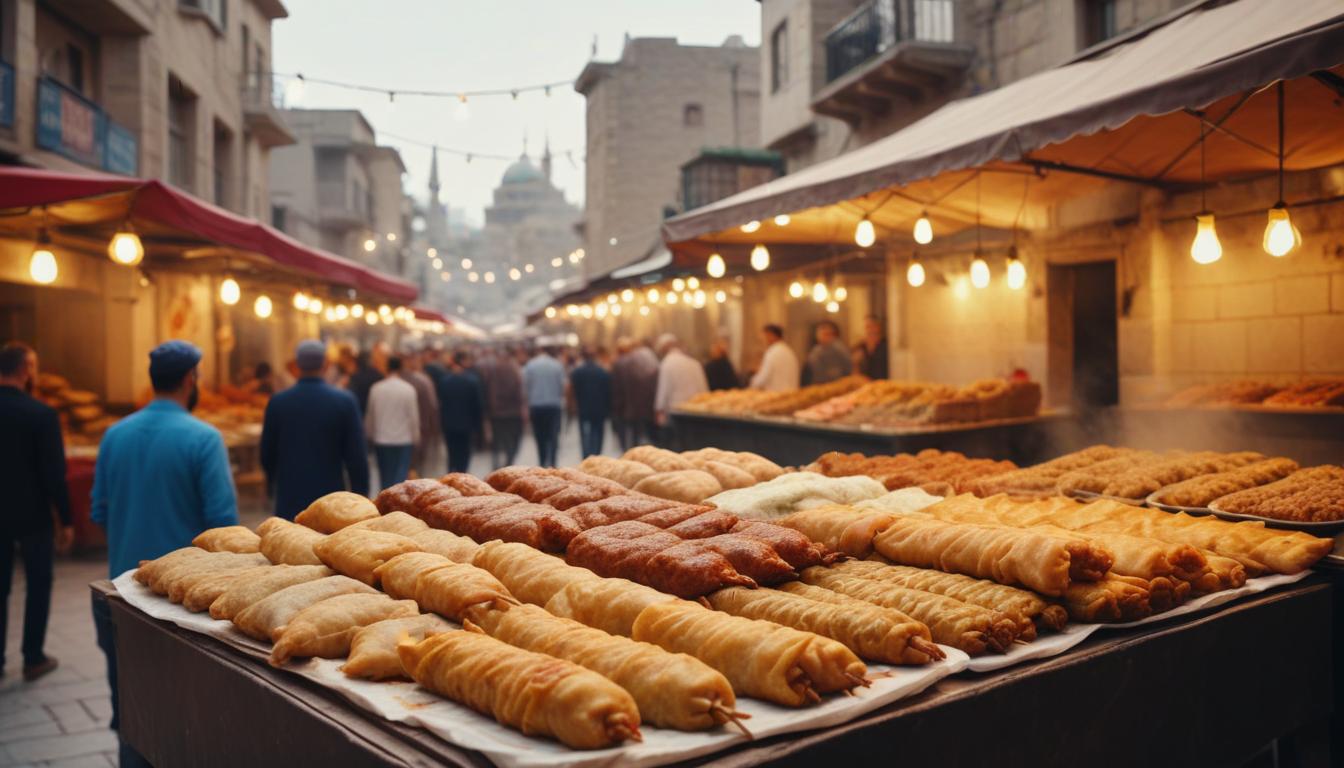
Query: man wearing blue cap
x=162, y=477
x=312, y=440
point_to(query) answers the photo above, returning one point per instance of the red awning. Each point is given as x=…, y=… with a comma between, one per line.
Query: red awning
x=159, y=211
x=432, y=315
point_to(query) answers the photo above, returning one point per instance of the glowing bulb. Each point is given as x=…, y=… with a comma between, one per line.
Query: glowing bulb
x=716, y=267
x=369, y=244
x=342, y=312
x=979, y=272
x=601, y=311
x=466, y=263
x=796, y=289
x=760, y=258
x=473, y=277
x=515, y=274
x=557, y=262
x=262, y=306
x=698, y=298
x=229, y=292
x=329, y=315
x=612, y=298
x=686, y=297
x=672, y=298
x=615, y=310
x=315, y=305
x=432, y=252
x=1205, y=249
x=627, y=296
x=644, y=311
x=574, y=257
x=1281, y=237
x=551, y=313
x=300, y=300
x=384, y=310
x=678, y=285
x=832, y=306
x=586, y=311
x=961, y=288
x=1017, y=273
x=865, y=234
x=572, y=310
x=357, y=311
x=125, y=248
x=923, y=229
x=751, y=226
x=782, y=220
x=529, y=269
x=840, y=293
x=489, y=277
x=819, y=292
x=653, y=295
x=463, y=112
x=720, y=297
x=914, y=274
x=371, y=318
x=42, y=265
x=693, y=283
x=438, y=263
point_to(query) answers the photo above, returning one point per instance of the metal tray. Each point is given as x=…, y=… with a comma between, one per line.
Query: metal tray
x=1155, y=504
x=1090, y=496
x=1317, y=529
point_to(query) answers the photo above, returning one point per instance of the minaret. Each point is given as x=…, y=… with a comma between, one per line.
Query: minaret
x=546, y=158
x=436, y=223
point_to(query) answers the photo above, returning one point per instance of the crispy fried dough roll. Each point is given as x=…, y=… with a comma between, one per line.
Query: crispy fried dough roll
x=149, y=570
x=611, y=605
x=373, y=648
x=1024, y=606
x=398, y=576
x=243, y=593
x=264, y=618
x=877, y=634
x=673, y=690
x=1114, y=598
x=335, y=511
x=324, y=629
x=759, y=658
x=357, y=552
x=228, y=538
x=283, y=542
x=200, y=595
x=530, y=575
x=173, y=565
x=177, y=580
x=970, y=628
x=839, y=527
x=1230, y=573
x=393, y=522
x=796, y=549
x=451, y=589
x=459, y=549
x=466, y=484
x=537, y=694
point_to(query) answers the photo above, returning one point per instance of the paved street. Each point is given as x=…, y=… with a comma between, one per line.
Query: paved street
x=61, y=720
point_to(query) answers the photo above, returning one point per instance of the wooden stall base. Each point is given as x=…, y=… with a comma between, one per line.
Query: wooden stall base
x=1212, y=690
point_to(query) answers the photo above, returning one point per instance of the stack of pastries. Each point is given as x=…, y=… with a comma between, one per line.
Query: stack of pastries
x=690, y=476
x=939, y=472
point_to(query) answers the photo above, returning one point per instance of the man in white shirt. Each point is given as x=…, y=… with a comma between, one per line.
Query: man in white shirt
x=779, y=365
x=680, y=377
x=392, y=422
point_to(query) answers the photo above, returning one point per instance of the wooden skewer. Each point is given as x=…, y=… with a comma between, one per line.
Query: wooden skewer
x=722, y=714
x=927, y=647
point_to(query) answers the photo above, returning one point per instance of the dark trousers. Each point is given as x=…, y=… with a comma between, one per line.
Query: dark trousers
x=638, y=432
x=37, y=550
x=459, y=450
x=508, y=431
x=546, y=429
x=591, y=432
x=394, y=463
x=107, y=641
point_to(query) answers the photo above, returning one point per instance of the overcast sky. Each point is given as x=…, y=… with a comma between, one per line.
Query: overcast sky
x=465, y=45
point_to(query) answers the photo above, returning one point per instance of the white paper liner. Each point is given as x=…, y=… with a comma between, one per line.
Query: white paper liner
x=407, y=703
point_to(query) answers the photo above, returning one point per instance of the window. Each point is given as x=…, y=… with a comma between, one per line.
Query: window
x=692, y=116
x=278, y=217
x=779, y=56
x=214, y=11
x=1100, y=20
x=181, y=128
x=223, y=166
x=74, y=62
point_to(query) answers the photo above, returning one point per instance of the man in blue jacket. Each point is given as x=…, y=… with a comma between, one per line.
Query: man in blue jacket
x=162, y=477
x=460, y=411
x=312, y=440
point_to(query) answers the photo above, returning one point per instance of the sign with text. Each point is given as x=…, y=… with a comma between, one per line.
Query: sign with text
x=73, y=126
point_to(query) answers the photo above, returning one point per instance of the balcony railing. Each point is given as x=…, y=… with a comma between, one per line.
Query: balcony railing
x=262, y=102
x=881, y=24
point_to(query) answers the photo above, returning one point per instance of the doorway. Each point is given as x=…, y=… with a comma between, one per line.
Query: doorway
x=1083, y=354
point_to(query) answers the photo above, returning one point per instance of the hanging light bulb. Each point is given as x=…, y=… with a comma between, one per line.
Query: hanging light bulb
x=865, y=234
x=551, y=313
x=686, y=297
x=431, y=252
x=1017, y=271
x=515, y=274
x=125, y=247
x=1281, y=237
x=529, y=269
x=329, y=315
x=672, y=298
x=698, y=298
x=557, y=262
x=644, y=310
x=315, y=305
x=841, y=293
x=652, y=295
x=229, y=292
x=923, y=229
x=490, y=277
x=473, y=277
x=627, y=296
x=300, y=300
x=796, y=289
x=914, y=274
x=720, y=297
x=782, y=220
x=371, y=318
x=716, y=267
x=342, y=312
x=572, y=310
x=42, y=264
x=586, y=311
x=678, y=285
x=751, y=226
x=384, y=310
x=357, y=311
x=369, y=244
x=1205, y=249
x=760, y=258
x=819, y=292
x=693, y=282
x=601, y=310
x=832, y=306
x=466, y=263
x=979, y=271
x=437, y=263
x=463, y=112
x=262, y=307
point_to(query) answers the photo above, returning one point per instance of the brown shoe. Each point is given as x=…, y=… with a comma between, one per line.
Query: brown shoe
x=40, y=669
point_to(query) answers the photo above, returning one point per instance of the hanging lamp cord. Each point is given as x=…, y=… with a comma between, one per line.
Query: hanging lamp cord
x=1280, y=94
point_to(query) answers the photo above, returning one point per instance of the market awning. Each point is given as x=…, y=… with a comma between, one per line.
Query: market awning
x=1130, y=113
x=82, y=211
x=431, y=315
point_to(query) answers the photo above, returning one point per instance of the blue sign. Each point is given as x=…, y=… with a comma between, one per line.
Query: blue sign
x=6, y=94
x=73, y=126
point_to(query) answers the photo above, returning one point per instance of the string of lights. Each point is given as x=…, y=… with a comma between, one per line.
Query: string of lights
x=470, y=155
x=461, y=95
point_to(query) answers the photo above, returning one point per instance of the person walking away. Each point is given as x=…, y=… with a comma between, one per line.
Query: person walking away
x=362, y=380
x=32, y=472
x=393, y=424
x=637, y=382
x=312, y=441
x=162, y=477
x=779, y=366
x=505, y=407
x=426, y=460
x=829, y=358
x=434, y=367
x=460, y=411
x=544, y=384
x=875, y=363
x=680, y=377
x=719, y=372
x=590, y=387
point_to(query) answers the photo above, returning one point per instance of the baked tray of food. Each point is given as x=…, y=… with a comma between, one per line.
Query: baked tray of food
x=1153, y=502
x=1326, y=528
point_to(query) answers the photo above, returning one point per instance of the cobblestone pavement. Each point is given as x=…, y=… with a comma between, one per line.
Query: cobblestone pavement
x=61, y=720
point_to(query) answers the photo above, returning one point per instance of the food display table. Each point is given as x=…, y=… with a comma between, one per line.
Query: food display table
x=1207, y=689
x=1307, y=435
x=1024, y=440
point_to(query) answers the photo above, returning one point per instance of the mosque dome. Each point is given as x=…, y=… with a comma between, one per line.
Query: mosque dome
x=521, y=172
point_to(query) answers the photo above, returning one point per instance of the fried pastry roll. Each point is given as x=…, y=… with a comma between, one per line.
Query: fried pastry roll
x=672, y=690
x=967, y=627
x=242, y=593
x=531, y=576
x=1114, y=598
x=841, y=528
x=675, y=514
x=616, y=509
x=611, y=605
x=459, y=549
x=325, y=629
x=398, y=576
x=1229, y=573
x=796, y=549
x=627, y=473
x=357, y=552
x=505, y=476
x=452, y=589
x=177, y=580
x=401, y=497
x=264, y=619
x=335, y=511
x=535, y=693
x=877, y=634
x=149, y=570
x=394, y=522
x=201, y=594
x=467, y=485
x=373, y=648
x=641, y=552
x=283, y=542
x=229, y=538
x=704, y=525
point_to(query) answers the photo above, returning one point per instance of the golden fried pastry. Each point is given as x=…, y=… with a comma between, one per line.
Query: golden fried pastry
x=459, y=549
x=150, y=570
x=532, y=692
x=841, y=528
x=1312, y=495
x=242, y=593
x=531, y=576
x=394, y=522
x=335, y=511
x=1114, y=598
x=467, y=485
x=283, y=542
x=229, y=538
x=373, y=648
x=1041, y=479
x=611, y=605
x=1199, y=491
x=729, y=476
x=1139, y=482
x=357, y=552
x=452, y=590
x=177, y=580
x=627, y=473
x=264, y=619
x=660, y=459
x=402, y=496
x=325, y=628
x=1095, y=477
x=399, y=575
x=691, y=486
x=206, y=590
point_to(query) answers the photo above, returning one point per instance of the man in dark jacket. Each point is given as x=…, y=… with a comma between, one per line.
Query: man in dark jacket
x=363, y=379
x=460, y=401
x=590, y=387
x=505, y=405
x=32, y=474
x=719, y=371
x=311, y=432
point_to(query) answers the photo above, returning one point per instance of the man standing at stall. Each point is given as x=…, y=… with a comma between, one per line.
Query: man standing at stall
x=311, y=438
x=544, y=383
x=590, y=387
x=779, y=366
x=680, y=377
x=874, y=362
x=32, y=472
x=460, y=411
x=162, y=477
x=829, y=358
x=393, y=424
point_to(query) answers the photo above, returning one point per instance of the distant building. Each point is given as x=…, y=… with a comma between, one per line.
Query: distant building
x=649, y=113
